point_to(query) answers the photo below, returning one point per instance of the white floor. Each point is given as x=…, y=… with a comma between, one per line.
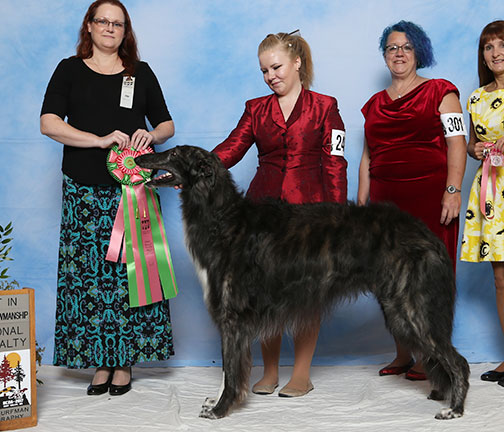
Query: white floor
x=346, y=398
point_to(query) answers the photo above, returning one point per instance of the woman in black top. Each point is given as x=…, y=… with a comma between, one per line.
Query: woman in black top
x=95, y=327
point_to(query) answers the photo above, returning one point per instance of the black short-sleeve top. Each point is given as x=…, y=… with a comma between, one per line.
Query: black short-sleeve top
x=91, y=102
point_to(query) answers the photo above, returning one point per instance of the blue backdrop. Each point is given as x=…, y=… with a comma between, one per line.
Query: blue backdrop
x=204, y=55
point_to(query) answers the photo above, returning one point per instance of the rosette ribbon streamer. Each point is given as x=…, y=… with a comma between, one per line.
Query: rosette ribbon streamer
x=139, y=228
x=492, y=158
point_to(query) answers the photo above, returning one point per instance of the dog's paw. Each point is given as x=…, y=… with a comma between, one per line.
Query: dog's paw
x=209, y=402
x=436, y=395
x=448, y=413
x=208, y=412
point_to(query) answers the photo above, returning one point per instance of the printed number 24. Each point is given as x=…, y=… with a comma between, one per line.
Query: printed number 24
x=339, y=144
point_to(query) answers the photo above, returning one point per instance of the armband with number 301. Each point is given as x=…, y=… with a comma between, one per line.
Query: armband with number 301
x=453, y=124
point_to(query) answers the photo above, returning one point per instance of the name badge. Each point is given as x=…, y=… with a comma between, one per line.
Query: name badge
x=337, y=142
x=127, y=92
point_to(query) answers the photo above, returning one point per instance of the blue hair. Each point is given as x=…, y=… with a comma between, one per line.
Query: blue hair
x=417, y=37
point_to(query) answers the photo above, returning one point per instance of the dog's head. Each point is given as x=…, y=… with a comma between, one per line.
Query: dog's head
x=185, y=166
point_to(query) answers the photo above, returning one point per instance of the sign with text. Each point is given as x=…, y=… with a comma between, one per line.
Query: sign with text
x=18, y=399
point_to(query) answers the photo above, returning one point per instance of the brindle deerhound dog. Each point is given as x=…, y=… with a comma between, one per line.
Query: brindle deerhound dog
x=270, y=266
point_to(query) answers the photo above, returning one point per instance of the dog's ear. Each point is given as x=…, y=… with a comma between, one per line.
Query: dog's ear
x=203, y=168
x=206, y=168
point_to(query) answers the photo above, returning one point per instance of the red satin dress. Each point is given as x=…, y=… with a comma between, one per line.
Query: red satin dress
x=408, y=154
x=295, y=161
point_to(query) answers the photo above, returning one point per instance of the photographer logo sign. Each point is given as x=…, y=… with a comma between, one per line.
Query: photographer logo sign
x=17, y=359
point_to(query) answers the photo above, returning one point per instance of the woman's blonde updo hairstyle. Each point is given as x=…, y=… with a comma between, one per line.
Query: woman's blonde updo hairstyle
x=295, y=46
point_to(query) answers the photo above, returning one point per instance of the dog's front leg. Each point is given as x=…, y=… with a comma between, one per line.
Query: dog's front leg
x=210, y=402
x=236, y=364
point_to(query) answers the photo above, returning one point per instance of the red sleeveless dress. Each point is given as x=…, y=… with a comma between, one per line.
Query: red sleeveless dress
x=408, y=154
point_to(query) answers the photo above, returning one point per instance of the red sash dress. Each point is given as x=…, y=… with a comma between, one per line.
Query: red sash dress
x=408, y=154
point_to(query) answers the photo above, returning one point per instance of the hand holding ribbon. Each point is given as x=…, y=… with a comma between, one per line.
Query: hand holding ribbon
x=492, y=157
x=141, y=139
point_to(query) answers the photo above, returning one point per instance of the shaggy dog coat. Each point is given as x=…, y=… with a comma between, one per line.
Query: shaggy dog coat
x=271, y=266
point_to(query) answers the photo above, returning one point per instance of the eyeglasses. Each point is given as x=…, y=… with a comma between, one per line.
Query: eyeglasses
x=407, y=48
x=105, y=23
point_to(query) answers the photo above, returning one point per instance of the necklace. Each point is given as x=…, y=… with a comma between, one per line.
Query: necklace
x=100, y=70
x=405, y=90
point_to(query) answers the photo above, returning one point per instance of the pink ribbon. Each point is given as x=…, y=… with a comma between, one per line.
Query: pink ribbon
x=139, y=229
x=148, y=245
x=487, y=167
x=116, y=238
x=145, y=252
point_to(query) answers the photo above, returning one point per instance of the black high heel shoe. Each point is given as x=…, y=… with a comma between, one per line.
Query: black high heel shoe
x=99, y=389
x=492, y=376
x=118, y=390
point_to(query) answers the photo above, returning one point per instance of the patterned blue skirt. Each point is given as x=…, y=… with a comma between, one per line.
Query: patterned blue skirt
x=94, y=324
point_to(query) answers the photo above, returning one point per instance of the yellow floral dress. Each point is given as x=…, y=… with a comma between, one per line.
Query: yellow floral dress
x=483, y=238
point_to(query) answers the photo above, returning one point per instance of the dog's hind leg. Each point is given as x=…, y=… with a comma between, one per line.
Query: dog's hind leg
x=236, y=364
x=457, y=369
x=439, y=379
x=447, y=371
x=446, y=368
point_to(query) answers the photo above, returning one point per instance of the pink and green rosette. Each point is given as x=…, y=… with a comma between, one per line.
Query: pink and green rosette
x=123, y=168
x=138, y=237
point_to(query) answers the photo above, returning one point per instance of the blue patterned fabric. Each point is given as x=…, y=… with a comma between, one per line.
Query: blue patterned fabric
x=94, y=324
